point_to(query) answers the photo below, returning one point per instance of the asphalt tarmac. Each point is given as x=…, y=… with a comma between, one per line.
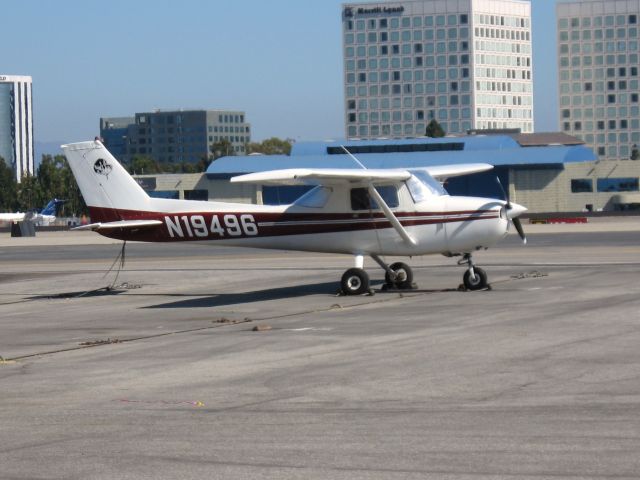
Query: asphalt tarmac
x=155, y=371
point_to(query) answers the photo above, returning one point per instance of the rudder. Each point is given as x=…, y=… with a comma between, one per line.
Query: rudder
x=107, y=188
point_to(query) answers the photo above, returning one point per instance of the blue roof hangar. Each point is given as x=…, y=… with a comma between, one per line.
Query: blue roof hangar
x=504, y=151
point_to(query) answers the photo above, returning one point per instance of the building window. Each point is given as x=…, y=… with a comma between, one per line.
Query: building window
x=618, y=184
x=581, y=185
x=202, y=195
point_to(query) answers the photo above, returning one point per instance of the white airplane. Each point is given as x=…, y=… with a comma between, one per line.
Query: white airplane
x=43, y=217
x=355, y=211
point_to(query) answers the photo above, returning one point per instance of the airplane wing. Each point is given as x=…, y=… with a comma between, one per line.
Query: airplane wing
x=324, y=176
x=331, y=176
x=123, y=224
x=442, y=172
x=11, y=217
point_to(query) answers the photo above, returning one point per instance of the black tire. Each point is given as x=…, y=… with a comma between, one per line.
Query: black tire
x=404, y=280
x=355, y=281
x=477, y=283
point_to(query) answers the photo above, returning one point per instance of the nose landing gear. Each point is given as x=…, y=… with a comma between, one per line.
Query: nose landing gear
x=474, y=278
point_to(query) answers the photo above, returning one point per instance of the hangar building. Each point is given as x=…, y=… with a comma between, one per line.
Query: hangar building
x=547, y=172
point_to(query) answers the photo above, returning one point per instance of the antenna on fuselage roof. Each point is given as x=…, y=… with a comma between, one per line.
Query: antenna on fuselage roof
x=353, y=157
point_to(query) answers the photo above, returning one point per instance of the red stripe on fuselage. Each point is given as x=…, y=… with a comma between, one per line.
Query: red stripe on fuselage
x=188, y=226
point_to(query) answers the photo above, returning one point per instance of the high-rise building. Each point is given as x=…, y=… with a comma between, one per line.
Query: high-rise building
x=16, y=124
x=465, y=63
x=113, y=132
x=182, y=136
x=598, y=70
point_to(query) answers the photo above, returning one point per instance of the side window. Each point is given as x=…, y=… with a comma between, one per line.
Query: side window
x=315, y=198
x=360, y=199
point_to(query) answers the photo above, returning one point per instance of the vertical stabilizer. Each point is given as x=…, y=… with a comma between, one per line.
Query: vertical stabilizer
x=107, y=188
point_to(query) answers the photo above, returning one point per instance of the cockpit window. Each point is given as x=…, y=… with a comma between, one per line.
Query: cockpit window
x=317, y=197
x=361, y=200
x=422, y=186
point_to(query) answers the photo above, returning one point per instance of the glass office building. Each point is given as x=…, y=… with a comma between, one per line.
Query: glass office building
x=598, y=69
x=182, y=136
x=465, y=63
x=16, y=124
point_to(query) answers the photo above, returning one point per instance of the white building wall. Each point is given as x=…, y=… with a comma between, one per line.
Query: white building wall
x=406, y=63
x=503, y=85
x=551, y=190
x=599, y=74
x=17, y=134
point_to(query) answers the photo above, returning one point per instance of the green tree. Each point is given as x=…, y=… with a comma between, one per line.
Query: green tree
x=434, y=130
x=8, y=187
x=51, y=178
x=28, y=193
x=8, y=202
x=143, y=165
x=222, y=148
x=202, y=164
x=188, y=167
x=271, y=146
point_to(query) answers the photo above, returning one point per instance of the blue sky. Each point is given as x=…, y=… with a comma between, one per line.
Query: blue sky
x=280, y=61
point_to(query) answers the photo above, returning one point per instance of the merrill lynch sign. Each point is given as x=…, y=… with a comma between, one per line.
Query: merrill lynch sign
x=350, y=11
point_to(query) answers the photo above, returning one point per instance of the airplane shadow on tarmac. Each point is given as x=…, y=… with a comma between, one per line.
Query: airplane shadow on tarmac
x=226, y=299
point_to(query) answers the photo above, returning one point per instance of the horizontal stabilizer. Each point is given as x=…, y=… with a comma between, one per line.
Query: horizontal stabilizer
x=325, y=176
x=11, y=217
x=442, y=172
x=123, y=224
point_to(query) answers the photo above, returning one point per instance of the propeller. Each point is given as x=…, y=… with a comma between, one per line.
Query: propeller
x=513, y=212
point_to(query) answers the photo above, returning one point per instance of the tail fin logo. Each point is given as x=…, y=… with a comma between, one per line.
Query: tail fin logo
x=101, y=167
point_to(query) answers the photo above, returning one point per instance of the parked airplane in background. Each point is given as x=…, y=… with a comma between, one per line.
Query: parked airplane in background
x=43, y=217
x=357, y=212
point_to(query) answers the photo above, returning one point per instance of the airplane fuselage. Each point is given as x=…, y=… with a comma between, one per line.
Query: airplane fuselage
x=449, y=225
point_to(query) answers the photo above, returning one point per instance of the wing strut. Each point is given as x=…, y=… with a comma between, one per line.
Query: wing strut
x=391, y=217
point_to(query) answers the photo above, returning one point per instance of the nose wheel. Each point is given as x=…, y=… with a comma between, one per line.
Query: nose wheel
x=475, y=278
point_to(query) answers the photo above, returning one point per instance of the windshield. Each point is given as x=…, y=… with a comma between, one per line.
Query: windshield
x=422, y=186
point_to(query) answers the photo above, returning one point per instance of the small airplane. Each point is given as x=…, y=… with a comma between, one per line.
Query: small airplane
x=357, y=212
x=43, y=217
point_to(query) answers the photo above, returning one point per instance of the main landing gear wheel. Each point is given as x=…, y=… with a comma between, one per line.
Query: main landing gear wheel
x=355, y=281
x=477, y=281
x=404, y=276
